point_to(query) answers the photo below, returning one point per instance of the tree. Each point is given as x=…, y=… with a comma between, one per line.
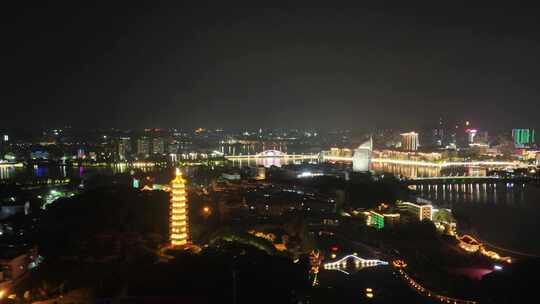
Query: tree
x=443, y=216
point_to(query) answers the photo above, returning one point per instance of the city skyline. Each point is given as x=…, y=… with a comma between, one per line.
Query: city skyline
x=235, y=67
x=315, y=152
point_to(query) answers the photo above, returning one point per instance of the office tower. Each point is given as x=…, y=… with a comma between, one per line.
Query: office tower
x=173, y=146
x=123, y=148
x=438, y=134
x=158, y=145
x=143, y=146
x=524, y=138
x=471, y=135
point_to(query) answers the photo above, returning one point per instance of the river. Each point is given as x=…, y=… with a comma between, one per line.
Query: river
x=30, y=173
x=505, y=215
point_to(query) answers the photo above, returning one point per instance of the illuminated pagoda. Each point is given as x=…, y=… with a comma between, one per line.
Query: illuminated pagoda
x=179, y=211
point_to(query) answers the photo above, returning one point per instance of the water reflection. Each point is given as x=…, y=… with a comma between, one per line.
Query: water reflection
x=6, y=172
x=493, y=193
x=23, y=174
x=408, y=171
x=413, y=171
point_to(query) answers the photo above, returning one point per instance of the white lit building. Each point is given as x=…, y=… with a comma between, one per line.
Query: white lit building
x=362, y=156
x=471, y=135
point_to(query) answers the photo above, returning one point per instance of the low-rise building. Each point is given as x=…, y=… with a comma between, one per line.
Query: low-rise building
x=379, y=219
x=423, y=211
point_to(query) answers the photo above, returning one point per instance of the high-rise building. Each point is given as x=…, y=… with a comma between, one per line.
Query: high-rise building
x=143, y=146
x=524, y=138
x=460, y=135
x=409, y=141
x=173, y=146
x=482, y=137
x=471, y=135
x=81, y=154
x=123, y=148
x=438, y=134
x=158, y=145
x=179, y=225
x=362, y=156
x=3, y=145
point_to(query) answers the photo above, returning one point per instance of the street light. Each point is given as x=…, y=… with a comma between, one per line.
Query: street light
x=369, y=293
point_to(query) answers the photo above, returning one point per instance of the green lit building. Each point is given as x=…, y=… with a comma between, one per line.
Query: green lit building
x=379, y=220
x=524, y=138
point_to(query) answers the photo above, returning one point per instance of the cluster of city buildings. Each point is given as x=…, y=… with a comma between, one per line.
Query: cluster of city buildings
x=114, y=145
x=387, y=216
x=444, y=142
x=454, y=135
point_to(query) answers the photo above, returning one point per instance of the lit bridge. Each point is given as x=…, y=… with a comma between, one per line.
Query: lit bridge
x=352, y=260
x=273, y=154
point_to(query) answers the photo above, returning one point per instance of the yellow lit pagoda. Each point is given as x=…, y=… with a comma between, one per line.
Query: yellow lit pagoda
x=179, y=211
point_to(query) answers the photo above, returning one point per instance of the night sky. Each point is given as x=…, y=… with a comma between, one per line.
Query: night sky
x=232, y=66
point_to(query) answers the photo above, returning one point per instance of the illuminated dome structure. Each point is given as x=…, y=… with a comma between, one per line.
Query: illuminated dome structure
x=179, y=225
x=271, y=153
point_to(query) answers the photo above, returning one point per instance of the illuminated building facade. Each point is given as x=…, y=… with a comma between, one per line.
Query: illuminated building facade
x=362, y=156
x=379, y=220
x=123, y=148
x=143, y=146
x=340, y=152
x=423, y=211
x=523, y=138
x=409, y=141
x=439, y=133
x=179, y=225
x=471, y=135
x=158, y=146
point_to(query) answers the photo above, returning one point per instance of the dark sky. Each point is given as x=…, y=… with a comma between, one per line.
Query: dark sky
x=234, y=66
